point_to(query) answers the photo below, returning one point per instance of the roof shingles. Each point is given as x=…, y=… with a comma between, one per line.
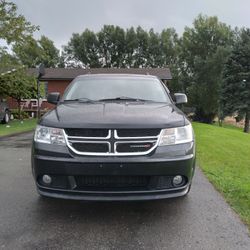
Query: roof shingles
x=70, y=74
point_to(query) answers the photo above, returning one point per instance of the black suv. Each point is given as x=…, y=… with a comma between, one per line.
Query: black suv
x=4, y=111
x=114, y=137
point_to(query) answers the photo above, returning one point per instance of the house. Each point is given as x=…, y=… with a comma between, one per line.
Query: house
x=57, y=79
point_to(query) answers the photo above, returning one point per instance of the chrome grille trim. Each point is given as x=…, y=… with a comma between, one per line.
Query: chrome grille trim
x=133, y=137
x=69, y=144
x=135, y=153
x=91, y=138
x=117, y=140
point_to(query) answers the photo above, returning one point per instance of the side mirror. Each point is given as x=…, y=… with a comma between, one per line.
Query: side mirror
x=53, y=97
x=180, y=98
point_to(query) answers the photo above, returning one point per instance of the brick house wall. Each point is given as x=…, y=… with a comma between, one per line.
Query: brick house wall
x=56, y=86
x=53, y=86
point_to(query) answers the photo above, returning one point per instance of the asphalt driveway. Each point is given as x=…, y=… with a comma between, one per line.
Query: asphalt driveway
x=200, y=221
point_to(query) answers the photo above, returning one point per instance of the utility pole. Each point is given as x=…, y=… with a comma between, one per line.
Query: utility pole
x=41, y=72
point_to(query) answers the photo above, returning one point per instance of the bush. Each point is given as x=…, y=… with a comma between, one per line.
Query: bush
x=24, y=115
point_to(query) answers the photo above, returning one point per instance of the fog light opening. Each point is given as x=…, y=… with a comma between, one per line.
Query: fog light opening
x=178, y=180
x=47, y=179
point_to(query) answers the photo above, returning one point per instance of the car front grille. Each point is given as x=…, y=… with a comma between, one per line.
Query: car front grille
x=112, y=182
x=108, y=142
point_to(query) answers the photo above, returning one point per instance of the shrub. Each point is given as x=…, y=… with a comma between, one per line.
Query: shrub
x=24, y=115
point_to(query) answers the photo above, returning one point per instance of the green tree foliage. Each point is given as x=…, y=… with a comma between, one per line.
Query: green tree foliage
x=130, y=47
x=49, y=51
x=235, y=91
x=82, y=49
x=13, y=27
x=7, y=61
x=116, y=47
x=141, y=56
x=170, y=56
x=204, y=50
x=31, y=52
x=111, y=46
x=17, y=84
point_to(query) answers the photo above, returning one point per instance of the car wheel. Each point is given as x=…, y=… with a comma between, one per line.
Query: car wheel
x=6, y=118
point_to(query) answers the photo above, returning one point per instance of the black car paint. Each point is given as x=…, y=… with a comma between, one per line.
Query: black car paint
x=163, y=161
x=114, y=115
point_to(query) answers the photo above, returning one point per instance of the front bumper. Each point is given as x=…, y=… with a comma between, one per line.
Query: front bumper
x=163, y=162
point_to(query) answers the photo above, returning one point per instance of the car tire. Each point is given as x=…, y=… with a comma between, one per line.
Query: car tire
x=6, y=118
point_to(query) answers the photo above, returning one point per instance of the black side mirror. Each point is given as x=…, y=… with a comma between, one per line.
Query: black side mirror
x=180, y=98
x=53, y=97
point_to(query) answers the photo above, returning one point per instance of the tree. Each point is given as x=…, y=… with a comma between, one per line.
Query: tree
x=82, y=49
x=155, y=58
x=116, y=47
x=204, y=50
x=112, y=46
x=18, y=85
x=130, y=47
x=141, y=52
x=7, y=61
x=170, y=57
x=13, y=27
x=169, y=46
x=235, y=91
x=32, y=52
x=50, y=53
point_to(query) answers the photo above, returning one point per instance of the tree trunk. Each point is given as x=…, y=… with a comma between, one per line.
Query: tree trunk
x=19, y=109
x=220, y=122
x=247, y=125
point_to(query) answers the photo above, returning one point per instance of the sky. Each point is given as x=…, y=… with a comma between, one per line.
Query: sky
x=58, y=19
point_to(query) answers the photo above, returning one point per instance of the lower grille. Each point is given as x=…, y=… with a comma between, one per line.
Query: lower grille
x=112, y=182
x=91, y=147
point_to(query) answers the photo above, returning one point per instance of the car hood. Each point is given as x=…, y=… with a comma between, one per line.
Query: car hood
x=114, y=115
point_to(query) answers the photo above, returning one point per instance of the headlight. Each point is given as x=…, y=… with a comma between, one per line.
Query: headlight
x=49, y=135
x=178, y=135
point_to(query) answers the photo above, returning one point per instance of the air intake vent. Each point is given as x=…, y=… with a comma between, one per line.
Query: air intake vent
x=91, y=147
x=138, y=132
x=78, y=132
x=117, y=182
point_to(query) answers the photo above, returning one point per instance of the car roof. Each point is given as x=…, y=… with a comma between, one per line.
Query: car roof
x=117, y=76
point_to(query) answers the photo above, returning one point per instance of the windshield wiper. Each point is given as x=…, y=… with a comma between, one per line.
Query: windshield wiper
x=84, y=99
x=123, y=98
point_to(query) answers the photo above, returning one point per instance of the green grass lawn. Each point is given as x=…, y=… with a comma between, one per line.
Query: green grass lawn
x=225, y=125
x=224, y=156
x=16, y=126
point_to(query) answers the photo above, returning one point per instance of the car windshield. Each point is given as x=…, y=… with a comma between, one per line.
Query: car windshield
x=116, y=88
